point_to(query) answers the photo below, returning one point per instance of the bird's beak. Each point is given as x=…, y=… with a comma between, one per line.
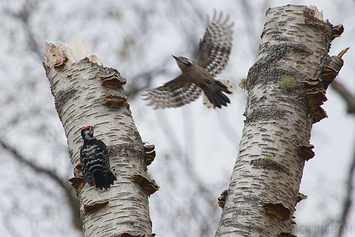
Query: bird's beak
x=92, y=129
x=177, y=59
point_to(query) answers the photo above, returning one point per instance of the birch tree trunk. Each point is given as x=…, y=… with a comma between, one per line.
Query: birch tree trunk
x=74, y=74
x=264, y=185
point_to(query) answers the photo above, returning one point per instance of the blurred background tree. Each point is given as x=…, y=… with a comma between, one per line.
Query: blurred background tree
x=196, y=147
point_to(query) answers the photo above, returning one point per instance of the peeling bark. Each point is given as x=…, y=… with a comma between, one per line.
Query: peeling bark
x=268, y=170
x=73, y=72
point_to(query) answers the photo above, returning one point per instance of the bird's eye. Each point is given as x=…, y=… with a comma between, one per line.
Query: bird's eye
x=186, y=61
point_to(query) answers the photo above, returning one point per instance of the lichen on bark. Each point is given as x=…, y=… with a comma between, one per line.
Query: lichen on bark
x=79, y=92
x=268, y=169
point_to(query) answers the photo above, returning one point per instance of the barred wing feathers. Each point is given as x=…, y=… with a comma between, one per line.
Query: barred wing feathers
x=173, y=94
x=216, y=45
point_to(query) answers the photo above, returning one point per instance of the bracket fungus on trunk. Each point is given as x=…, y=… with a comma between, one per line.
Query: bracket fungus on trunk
x=277, y=210
x=94, y=207
x=148, y=185
x=149, y=150
x=222, y=198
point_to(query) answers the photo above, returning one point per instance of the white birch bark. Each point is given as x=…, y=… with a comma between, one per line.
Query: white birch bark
x=78, y=95
x=269, y=165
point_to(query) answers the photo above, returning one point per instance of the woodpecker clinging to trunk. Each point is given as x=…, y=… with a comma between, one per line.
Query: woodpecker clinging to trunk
x=198, y=75
x=94, y=160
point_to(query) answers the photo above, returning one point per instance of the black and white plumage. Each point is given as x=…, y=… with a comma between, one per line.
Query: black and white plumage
x=94, y=160
x=198, y=75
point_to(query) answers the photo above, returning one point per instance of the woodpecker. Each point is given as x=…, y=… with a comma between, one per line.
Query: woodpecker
x=198, y=75
x=94, y=160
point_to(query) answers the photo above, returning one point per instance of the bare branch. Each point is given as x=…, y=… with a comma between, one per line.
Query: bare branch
x=23, y=15
x=73, y=201
x=346, y=95
x=36, y=168
x=348, y=198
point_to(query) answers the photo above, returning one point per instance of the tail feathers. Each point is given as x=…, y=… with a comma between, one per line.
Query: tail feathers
x=217, y=98
x=104, y=181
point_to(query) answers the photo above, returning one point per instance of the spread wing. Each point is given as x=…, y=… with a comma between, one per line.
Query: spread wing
x=175, y=93
x=216, y=45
